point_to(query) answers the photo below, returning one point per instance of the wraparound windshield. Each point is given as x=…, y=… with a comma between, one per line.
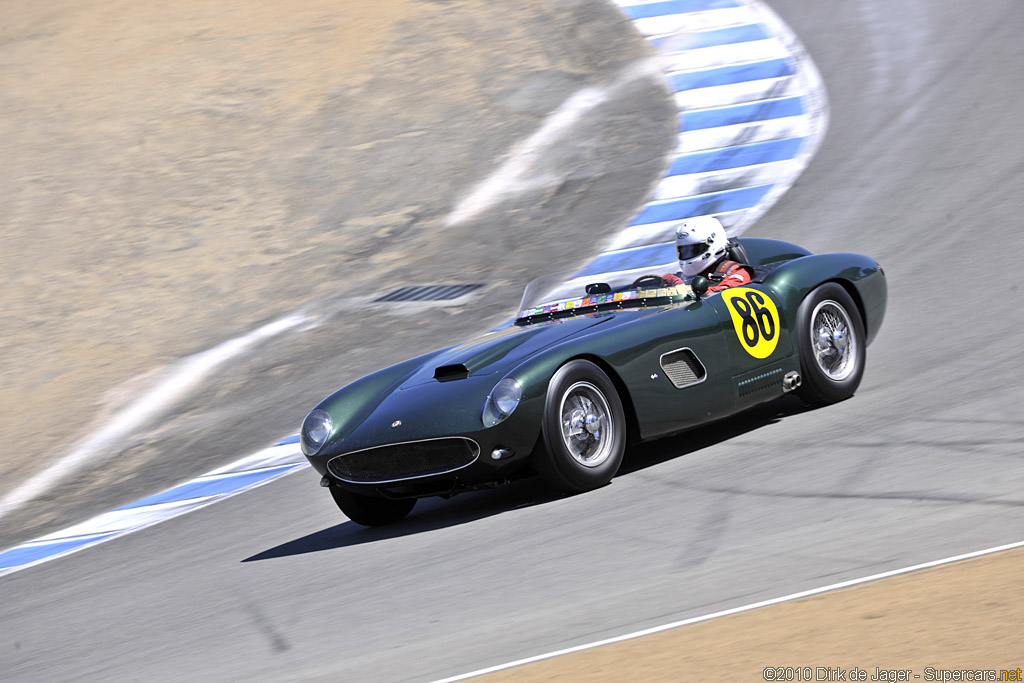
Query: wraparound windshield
x=553, y=294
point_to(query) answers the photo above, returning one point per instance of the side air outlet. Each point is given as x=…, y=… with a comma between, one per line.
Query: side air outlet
x=683, y=368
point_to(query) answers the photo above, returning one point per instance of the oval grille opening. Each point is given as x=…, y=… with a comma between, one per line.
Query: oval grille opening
x=395, y=462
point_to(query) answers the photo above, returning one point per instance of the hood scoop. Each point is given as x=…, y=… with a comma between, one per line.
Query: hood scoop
x=499, y=350
x=447, y=373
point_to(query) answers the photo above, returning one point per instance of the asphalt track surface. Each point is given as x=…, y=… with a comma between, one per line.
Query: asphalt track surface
x=921, y=169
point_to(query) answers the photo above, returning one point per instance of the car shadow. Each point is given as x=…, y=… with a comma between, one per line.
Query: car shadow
x=436, y=513
x=428, y=515
x=655, y=452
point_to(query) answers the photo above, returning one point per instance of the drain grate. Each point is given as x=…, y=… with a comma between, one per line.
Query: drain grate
x=428, y=293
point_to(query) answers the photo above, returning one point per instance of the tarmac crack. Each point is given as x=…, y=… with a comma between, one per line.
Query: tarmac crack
x=896, y=496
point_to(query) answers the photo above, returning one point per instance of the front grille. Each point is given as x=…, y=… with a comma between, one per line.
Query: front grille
x=398, y=461
x=683, y=368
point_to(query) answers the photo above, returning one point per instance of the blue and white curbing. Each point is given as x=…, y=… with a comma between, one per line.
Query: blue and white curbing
x=257, y=469
x=752, y=112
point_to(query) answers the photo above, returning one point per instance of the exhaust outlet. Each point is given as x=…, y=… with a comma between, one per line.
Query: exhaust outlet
x=791, y=381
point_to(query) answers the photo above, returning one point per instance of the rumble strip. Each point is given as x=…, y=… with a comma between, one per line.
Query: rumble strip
x=752, y=112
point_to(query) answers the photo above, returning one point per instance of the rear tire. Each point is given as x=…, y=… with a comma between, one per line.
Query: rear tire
x=584, y=429
x=370, y=511
x=831, y=342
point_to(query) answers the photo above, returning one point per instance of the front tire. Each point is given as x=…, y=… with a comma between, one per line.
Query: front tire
x=584, y=429
x=370, y=511
x=832, y=345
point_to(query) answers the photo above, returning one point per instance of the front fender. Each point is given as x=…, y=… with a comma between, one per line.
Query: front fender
x=353, y=403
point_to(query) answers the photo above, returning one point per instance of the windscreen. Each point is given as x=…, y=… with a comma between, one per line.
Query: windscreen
x=549, y=288
x=553, y=294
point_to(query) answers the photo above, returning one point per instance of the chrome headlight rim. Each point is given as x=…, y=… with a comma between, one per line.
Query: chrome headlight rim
x=502, y=401
x=316, y=429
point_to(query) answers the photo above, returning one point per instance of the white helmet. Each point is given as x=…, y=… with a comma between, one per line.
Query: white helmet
x=701, y=242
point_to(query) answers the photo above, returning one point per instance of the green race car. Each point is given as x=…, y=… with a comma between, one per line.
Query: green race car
x=564, y=389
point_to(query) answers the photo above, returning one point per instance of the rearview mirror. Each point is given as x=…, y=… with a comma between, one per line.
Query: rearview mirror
x=599, y=288
x=699, y=285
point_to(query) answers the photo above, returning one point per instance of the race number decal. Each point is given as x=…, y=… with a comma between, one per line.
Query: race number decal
x=755, y=319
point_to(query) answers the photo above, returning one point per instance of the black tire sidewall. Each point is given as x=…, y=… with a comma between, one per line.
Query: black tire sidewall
x=816, y=387
x=371, y=511
x=554, y=463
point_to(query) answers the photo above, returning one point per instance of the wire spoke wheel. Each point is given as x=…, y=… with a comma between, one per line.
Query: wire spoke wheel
x=583, y=429
x=587, y=432
x=831, y=345
x=833, y=341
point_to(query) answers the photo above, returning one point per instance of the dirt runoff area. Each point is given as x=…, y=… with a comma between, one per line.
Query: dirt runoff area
x=176, y=174
x=959, y=622
x=141, y=198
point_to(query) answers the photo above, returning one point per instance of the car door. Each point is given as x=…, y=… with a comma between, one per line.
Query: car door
x=677, y=370
x=758, y=342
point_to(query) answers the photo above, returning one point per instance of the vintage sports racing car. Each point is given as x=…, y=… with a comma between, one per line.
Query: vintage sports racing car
x=564, y=388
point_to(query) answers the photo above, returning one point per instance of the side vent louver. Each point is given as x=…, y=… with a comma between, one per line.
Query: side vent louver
x=683, y=368
x=770, y=380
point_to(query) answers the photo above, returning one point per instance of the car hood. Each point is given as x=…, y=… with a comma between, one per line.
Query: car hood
x=499, y=349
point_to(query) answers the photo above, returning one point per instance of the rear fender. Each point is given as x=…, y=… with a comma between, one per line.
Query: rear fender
x=858, y=274
x=765, y=252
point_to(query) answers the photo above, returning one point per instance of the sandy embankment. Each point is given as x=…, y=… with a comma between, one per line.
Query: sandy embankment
x=176, y=174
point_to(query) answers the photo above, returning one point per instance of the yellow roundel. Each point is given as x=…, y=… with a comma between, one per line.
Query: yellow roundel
x=755, y=319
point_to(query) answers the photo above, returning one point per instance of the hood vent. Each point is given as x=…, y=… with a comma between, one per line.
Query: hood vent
x=447, y=373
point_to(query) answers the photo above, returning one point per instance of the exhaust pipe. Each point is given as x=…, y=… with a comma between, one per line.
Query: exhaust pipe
x=791, y=381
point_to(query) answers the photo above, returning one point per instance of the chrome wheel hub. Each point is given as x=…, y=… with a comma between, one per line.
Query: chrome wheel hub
x=833, y=340
x=587, y=429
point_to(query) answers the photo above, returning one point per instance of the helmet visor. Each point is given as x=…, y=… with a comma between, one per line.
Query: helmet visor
x=690, y=251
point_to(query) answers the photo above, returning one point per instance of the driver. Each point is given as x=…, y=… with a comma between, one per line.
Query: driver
x=701, y=245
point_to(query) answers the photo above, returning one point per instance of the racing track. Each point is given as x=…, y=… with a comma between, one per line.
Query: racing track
x=921, y=169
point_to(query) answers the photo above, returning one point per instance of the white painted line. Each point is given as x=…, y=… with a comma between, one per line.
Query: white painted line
x=616, y=277
x=657, y=233
x=120, y=520
x=123, y=522
x=653, y=27
x=691, y=184
x=729, y=219
x=268, y=457
x=720, y=55
x=736, y=93
x=734, y=610
x=743, y=134
x=185, y=376
x=522, y=170
x=643, y=235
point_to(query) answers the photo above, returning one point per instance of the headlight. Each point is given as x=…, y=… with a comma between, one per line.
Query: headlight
x=502, y=400
x=315, y=430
